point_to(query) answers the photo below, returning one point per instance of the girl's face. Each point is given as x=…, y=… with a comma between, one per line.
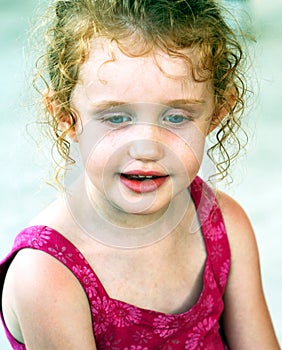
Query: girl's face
x=142, y=128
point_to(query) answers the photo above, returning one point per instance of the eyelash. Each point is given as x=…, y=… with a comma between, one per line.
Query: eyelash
x=183, y=119
x=110, y=119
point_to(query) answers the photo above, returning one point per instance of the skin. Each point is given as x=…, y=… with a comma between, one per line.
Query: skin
x=128, y=275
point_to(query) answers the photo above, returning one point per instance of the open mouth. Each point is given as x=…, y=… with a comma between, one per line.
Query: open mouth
x=143, y=183
x=140, y=177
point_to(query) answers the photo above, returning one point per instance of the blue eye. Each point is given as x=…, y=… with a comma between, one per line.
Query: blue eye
x=118, y=119
x=175, y=119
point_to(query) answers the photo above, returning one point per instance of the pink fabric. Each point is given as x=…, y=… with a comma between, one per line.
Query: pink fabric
x=121, y=326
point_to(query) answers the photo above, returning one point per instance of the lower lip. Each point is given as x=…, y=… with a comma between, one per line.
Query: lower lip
x=145, y=186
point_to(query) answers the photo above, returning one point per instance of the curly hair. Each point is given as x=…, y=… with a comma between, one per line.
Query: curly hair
x=168, y=25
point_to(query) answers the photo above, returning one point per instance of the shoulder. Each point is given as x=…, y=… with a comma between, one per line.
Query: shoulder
x=241, y=237
x=39, y=292
x=37, y=280
x=244, y=295
x=237, y=223
x=231, y=209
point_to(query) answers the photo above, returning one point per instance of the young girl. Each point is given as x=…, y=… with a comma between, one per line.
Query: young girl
x=139, y=252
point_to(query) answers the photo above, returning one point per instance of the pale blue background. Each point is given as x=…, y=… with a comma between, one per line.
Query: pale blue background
x=257, y=184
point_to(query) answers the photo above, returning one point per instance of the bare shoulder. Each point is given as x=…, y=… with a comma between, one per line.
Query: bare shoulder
x=39, y=293
x=244, y=296
x=238, y=226
x=234, y=215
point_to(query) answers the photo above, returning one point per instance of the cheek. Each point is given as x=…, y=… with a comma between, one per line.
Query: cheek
x=95, y=142
x=186, y=163
x=102, y=155
x=188, y=145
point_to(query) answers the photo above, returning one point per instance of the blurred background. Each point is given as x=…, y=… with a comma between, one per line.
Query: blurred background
x=257, y=175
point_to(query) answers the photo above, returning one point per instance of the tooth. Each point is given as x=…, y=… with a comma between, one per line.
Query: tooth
x=140, y=177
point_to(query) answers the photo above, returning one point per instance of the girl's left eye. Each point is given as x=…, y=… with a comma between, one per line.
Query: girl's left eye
x=176, y=119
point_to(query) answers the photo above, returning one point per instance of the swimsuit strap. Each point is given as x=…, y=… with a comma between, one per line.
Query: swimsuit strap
x=213, y=230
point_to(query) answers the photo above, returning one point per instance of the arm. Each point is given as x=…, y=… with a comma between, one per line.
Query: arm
x=45, y=306
x=247, y=322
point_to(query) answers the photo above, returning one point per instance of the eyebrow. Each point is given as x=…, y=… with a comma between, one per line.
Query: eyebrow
x=182, y=102
x=107, y=104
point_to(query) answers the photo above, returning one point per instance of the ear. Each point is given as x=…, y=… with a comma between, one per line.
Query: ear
x=65, y=120
x=221, y=110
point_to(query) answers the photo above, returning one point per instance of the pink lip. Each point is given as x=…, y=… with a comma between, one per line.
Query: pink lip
x=144, y=186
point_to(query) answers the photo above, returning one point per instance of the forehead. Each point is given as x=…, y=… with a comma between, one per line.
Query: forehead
x=108, y=70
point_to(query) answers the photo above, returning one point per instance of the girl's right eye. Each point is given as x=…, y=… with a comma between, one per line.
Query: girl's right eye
x=117, y=119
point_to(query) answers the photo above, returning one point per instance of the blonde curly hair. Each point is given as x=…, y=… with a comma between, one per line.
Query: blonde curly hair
x=168, y=25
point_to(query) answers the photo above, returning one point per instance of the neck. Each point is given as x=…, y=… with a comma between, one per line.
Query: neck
x=112, y=226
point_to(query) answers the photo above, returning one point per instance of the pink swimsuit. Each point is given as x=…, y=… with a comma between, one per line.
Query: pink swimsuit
x=120, y=326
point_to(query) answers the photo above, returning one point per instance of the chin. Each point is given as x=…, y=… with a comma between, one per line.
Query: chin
x=142, y=209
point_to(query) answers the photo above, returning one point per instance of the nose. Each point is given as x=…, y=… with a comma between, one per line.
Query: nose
x=148, y=144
